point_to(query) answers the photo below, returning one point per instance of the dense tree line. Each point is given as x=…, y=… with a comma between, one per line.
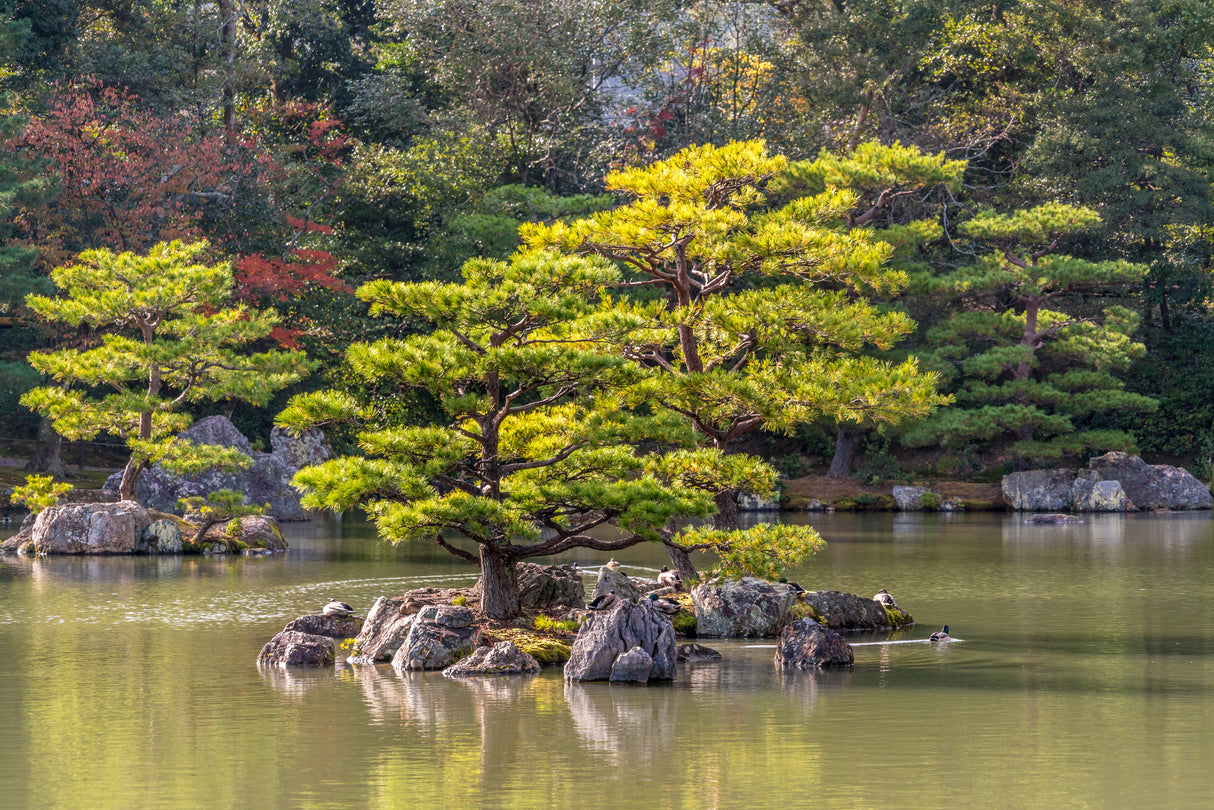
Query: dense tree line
x=1038, y=175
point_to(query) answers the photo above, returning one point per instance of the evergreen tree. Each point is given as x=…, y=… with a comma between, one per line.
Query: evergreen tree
x=1021, y=370
x=169, y=339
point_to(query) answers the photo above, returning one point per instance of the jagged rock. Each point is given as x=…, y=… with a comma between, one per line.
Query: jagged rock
x=384, y=629
x=845, y=611
x=549, y=587
x=1090, y=494
x=1039, y=490
x=917, y=499
x=814, y=505
x=318, y=624
x=438, y=636
x=628, y=631
x=615, y=581
x=267, y=481
x=748, y=607
x=750, y=502
x=309, y=640
x=1153, y=486
x=696, y=653
x=305, y=450
x=419, y=598
x=633, y=666
x=502, y=658
x=262, y=531
x=293, y=648
x=1052, y=517
x=94, y=528
x=17, y=544
x=160, y=537
x=808, y=645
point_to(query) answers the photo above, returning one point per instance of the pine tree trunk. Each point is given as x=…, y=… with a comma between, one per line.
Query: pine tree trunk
x=130, y=480
x=847, y=442
x=682, y=563
x=499, y=588
x=48, y=452
x=727, y=512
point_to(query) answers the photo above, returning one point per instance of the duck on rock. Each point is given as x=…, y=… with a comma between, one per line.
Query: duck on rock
x=664, y=604
x=337, y=608
x=670, y=579
x=603, y=601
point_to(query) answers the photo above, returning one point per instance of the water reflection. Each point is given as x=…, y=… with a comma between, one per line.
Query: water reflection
x=632, y=724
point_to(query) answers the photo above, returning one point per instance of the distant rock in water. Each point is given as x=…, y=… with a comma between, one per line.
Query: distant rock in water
x=808, y=645
x=1052, y=517
x=268, y=480
x=846, y=611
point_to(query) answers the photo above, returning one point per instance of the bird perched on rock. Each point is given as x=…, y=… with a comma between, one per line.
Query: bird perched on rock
x=670, y=579
x=613, y=565
x=336, y=608
x=797, y=589
x=884, y=597
x=664, y=604
x=941, y=636
x=602, y=601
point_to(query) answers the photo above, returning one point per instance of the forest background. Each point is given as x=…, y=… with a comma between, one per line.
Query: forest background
x=323, y=144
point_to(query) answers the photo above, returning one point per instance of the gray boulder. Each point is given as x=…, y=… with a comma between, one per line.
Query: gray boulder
x=160, y=537
x=1153, y=486
x=310, y=640
x=746, y=608
x=1090, y=494
x=1052, y=517
x=549, y=587
x=94, y=528
x=916, y=499
x=17, y=544
x=629, y=643
x=290, y=649
x=846, y=611
x=266, y=481
x=438, y=637
x=383, y=631
x=615, y=581
x=305, y=450
x=502, y=658
x=1039, y=490
x=696, y=653
x=808, y=645
x=750, y=502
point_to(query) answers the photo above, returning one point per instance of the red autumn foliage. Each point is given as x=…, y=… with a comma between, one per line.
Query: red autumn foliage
x=279, y=279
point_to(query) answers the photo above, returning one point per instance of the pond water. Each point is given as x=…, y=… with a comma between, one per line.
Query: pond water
x=1085, y=678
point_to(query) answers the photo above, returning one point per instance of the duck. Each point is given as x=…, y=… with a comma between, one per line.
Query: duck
x=941, y=636
x=336, y=608
x=602, y=601
x=613, y=565
x=670, y=579
x=664, y=604
x=886, y=598
x=797, y=589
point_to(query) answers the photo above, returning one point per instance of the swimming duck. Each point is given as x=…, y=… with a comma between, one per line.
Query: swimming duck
x=613, y=565
x=670, y=579
x=664, y=604
x=336, y=608
x=886, y=598
x=602, y=601
x=941, y=636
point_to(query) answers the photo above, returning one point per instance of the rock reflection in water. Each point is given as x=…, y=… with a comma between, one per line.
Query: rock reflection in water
x=296, y=682
x=410, y=698
x=621, y=721
x=807, y=687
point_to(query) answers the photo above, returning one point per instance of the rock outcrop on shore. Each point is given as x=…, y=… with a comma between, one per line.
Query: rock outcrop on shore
x=745, y=608
x=1114, y=482
x=502, y=658
x=310, y=640
x=438, y=636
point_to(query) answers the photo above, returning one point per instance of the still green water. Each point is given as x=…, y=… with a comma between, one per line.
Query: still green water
x=1085, y=678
